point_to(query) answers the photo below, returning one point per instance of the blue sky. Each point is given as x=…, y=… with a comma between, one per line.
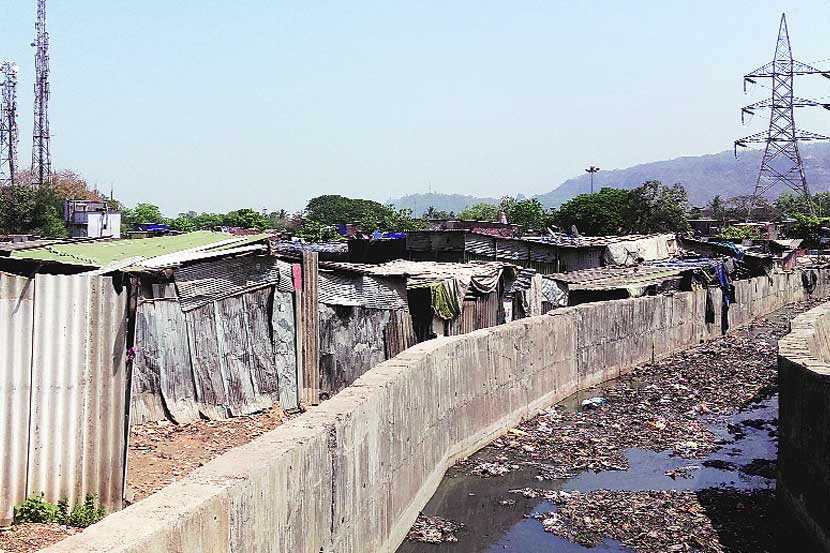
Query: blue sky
x=213, y=106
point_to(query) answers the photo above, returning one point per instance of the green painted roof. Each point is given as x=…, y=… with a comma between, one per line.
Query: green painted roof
x=102, y=253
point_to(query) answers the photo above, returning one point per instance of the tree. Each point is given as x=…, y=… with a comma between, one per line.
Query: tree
x=655, y=207
x=144, y=214
x=182, y=224
x=811, y=229
x=315, y=231
x=737, y=208
x=25, y=209
x=245, y=218
x=369, y=215
x=480, y=212
x=600, y=214
x=17, y=208
x=335, y=209
x=790, y=204
x=432, y=214
x=716, y=209
x=528, y=214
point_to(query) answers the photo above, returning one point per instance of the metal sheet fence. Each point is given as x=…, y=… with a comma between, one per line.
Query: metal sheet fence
x=62, y=390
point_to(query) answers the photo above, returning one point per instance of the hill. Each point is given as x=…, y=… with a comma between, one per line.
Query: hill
x=703, y=176
x=419, y=203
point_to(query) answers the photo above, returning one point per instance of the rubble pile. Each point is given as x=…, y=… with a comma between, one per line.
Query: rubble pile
x=662, y=406
x=434, y=530
x=651, y=521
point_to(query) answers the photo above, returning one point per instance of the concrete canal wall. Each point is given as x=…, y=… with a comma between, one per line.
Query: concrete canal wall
x=804, y=424
x=352, y=474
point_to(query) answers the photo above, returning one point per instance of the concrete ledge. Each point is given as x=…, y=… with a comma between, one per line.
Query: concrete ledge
x=803, y=487
x=352, y=474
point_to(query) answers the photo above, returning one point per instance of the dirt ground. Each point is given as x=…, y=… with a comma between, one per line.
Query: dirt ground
x=161, y=452
x=26, y=538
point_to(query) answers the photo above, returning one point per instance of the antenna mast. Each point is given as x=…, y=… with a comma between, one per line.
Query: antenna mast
x=8, y=123
x=41, y=154
x=782, y=161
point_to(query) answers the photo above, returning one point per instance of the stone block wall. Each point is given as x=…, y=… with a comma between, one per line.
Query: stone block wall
x=352, y=474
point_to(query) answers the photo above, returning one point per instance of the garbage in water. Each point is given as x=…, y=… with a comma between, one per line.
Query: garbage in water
x=434, y=530
x=679, y=457
x=649, y=521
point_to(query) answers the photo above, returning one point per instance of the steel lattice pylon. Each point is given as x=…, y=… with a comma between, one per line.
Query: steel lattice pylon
x=8, y=123
x=41, y=154
x=781, y=163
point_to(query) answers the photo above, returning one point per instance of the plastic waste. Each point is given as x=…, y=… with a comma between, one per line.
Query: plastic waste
x=594, y=402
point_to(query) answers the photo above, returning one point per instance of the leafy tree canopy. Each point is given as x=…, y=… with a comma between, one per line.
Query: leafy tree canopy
x=600, y=214
x=649, y=208
x=528, y=213
x=330, y=210
x=480, y=212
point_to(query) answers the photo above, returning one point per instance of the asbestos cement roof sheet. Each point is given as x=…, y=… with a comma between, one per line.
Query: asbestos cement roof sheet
x=103, y=253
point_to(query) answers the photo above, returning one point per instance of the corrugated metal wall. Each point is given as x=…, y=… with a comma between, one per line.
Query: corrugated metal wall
x=16, y=314
x=73, y=398
x=233, y=356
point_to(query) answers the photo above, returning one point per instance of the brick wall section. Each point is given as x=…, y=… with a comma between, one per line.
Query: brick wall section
x=352, y=474
x=804, y=424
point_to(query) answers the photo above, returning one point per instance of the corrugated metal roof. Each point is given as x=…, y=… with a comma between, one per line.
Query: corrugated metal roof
x=202, y=283
x=607, y=278
x=176, y=259
x=362, y=290
x=101, y=253
x=16, y=315
x=568, y=241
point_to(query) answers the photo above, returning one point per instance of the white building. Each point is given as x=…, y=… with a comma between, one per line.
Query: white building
x=91, y=219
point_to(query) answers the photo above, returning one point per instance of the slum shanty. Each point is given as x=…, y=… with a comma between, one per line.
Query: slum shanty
x=214, y=326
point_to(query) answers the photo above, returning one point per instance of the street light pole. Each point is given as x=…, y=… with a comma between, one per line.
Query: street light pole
x=592, y=170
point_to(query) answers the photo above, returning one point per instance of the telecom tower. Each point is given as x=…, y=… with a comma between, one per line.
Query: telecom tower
x=8, y=122
x=41, y=154
x=782, y=161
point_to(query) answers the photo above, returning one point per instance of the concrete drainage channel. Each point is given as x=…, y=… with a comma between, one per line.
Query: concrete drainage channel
x=529, y=491
x=387, y=441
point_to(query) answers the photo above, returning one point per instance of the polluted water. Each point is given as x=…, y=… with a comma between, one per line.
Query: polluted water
x=679, y=455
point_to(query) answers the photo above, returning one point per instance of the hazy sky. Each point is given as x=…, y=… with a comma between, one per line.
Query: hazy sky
x=212, y=106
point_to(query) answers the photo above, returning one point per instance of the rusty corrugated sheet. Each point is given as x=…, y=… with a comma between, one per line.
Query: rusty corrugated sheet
x=203, y=283
x=16, y=312
x=77, y=436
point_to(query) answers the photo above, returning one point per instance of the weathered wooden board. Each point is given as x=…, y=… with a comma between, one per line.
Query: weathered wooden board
x=310, y=323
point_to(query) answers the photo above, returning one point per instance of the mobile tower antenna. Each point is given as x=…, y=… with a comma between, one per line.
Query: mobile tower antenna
x=8, y=123
x=782, y=161
x=41, y=153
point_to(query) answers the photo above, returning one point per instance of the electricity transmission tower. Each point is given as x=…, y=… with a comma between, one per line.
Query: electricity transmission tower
x=8, y=122
x=41, y=154
x=781, y=163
